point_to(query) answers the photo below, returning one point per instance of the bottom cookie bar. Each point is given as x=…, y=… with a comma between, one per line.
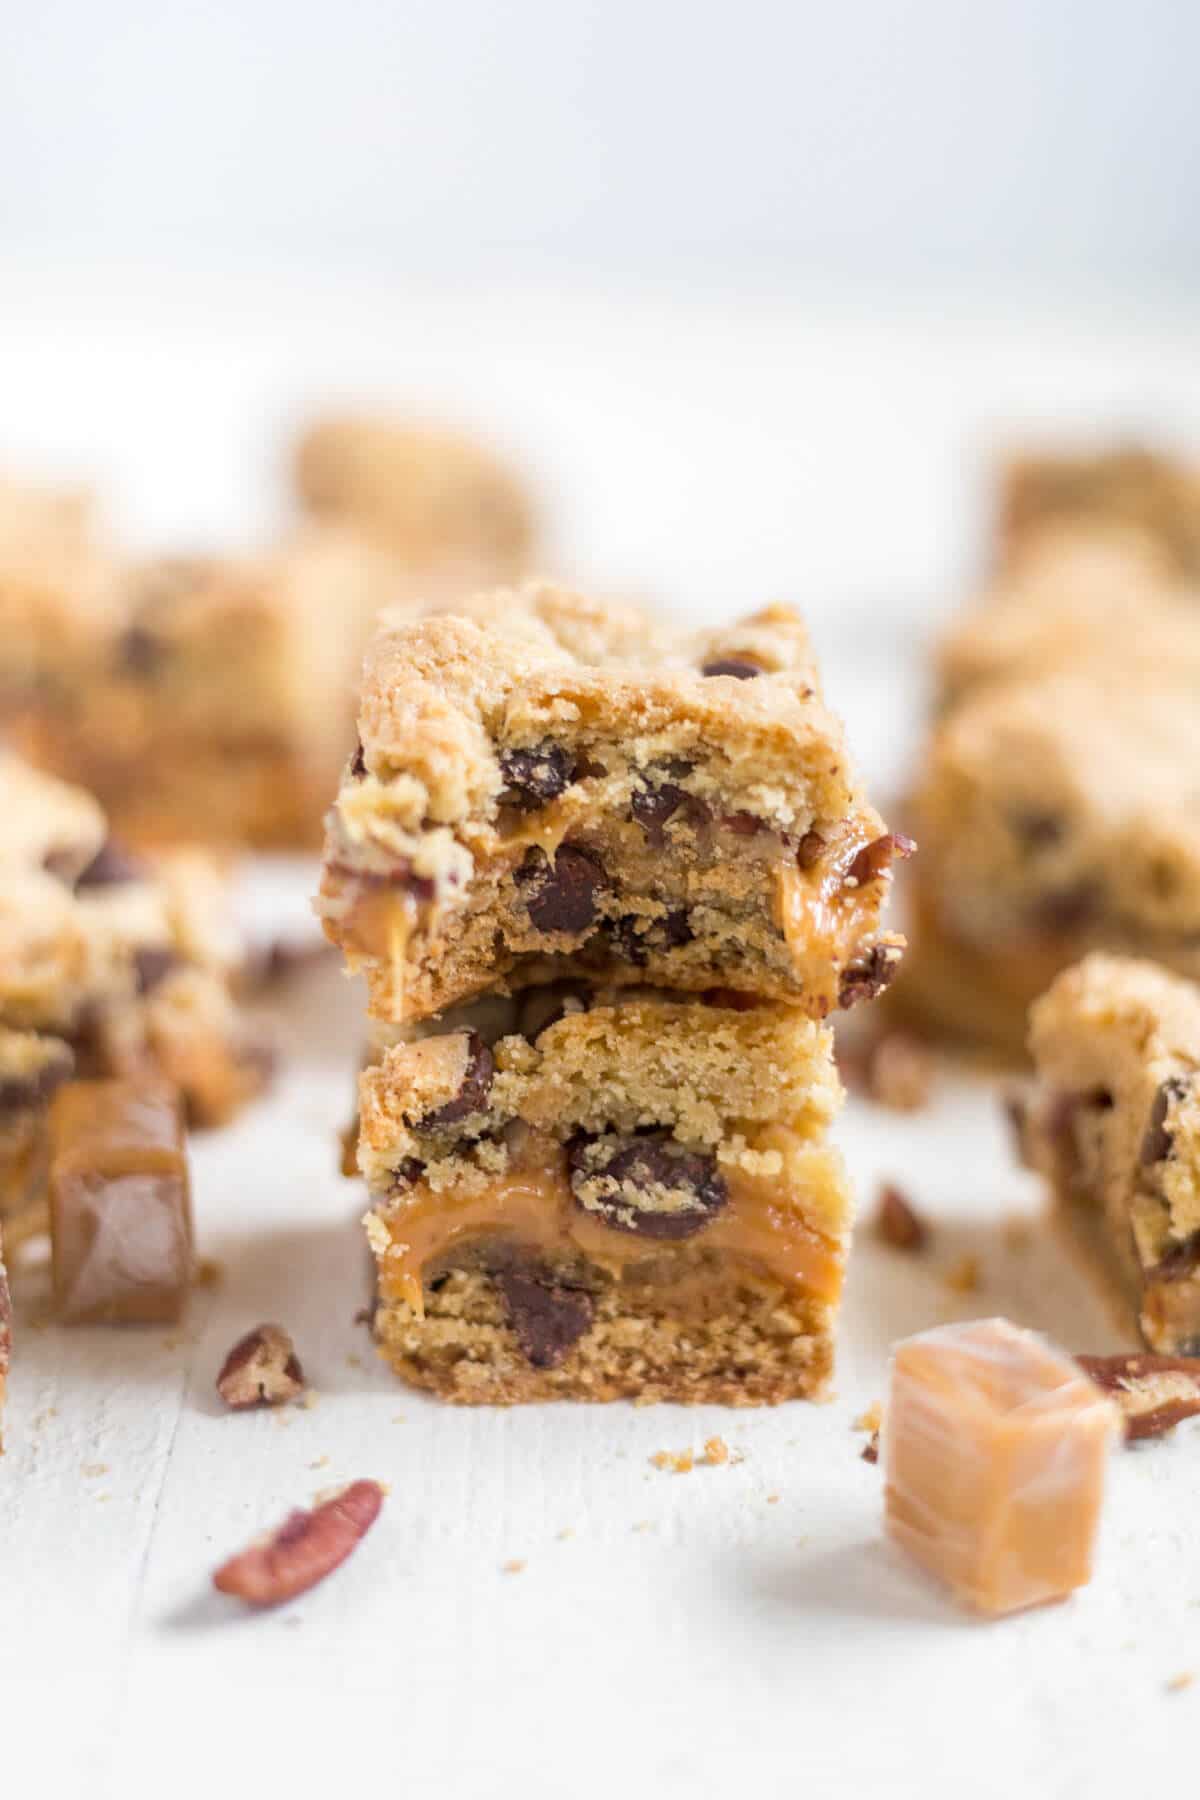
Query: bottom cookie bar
x=594, y=1196
x=1114, y=1126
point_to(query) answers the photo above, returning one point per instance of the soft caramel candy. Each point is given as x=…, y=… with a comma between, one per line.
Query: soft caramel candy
x=995, y=1446
x=120, y=1203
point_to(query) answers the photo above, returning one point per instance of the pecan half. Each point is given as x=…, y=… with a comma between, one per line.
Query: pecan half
x=1153, y=1392
x=307, y=1547
x=877, y=856
x=262, y=1369
x=897, y=1222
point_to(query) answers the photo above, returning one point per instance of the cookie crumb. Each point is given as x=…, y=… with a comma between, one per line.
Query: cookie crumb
x=897, y=1222
x=1183, y=1680
x=322, y=1462
x=900, y=1073
x=91, y=1470
x=716, y=1451
x=680, y=1462
x=568, y=1531
x=772, y=1499
x=870, y=1420
x=514, y=1566
x=962, y=1277
x=209, y=1273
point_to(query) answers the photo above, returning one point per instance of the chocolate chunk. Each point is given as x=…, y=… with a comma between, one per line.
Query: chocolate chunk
x=472, y=1095
x=1067, y=910
x=112, y=866
x=532, y=777
x=1153, y=1392
x=810, y=849
x=20, y=1093
x=1180, y=1261
x=152, y=963
x=877, y=856
x=653, y=806
x=676, y=928
x=407, y=1175
x=743, y=824
x=358, y=762
x=1038, y=830
x=636, y=937
x=548, y=1316
x=564, y=895
x=1156, y=1143
x=140, y=652
x=867, y=975
x=740, y=667
x=608, y=1173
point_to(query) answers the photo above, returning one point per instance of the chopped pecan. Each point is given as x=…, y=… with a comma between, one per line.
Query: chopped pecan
x=262, y=1369
x=897, y=1222
x=868, y=974
x=877, y=856
x=306, y=1547
x=1153, y=1392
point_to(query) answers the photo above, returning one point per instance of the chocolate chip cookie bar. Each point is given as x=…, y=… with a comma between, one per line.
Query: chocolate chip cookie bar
x=545, y=786
x=432, y=499
x=218, y=705
x=1128, y=486
x=1055, y=817
x=594, y=1194
x=1113, y=1124
x=59, y=586
x=128, y=962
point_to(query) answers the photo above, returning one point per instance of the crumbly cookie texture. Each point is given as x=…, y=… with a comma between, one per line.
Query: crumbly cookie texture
x=129, y=962
x=1134, y=487
x=546, y=785
x=588, y=1194
x=218, y=704
x=32, y=1068
x=1055, y=817
x=1114, y=1126
x=429, y=497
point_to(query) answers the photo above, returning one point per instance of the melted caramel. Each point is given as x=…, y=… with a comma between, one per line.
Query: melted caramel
x=819, y=914
x=534, y=1206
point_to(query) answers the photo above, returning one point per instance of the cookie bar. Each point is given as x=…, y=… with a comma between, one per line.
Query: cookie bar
x=1126, y=486
x=432, y=499
x=219, y=704
x=550, y=786
x=1055, y=817
x=590, y=1194
x=128, y=962
x=31, y=1069
x=59, y=586
x=1114, y=1126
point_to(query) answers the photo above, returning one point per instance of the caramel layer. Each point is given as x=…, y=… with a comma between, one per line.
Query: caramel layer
x=764, y=1222
x=819, y=913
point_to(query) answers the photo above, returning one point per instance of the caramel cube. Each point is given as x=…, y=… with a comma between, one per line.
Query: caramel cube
x=120, y=1203
x=995, y=1446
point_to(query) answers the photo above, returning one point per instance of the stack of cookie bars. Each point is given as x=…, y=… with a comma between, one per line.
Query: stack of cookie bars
x=606, y=883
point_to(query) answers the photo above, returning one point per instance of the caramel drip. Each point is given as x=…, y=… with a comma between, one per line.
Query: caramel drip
x=820, y=914
x=534, y=1206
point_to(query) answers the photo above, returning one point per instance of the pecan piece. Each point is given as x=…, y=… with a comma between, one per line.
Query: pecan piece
x=306, y=1547
x=868, y=974
x=262, y=1369
x=1153, y=1392
x=877, y=856
x=897, y=1222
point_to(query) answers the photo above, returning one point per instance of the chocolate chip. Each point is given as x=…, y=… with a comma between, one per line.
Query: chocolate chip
x=1156, y=1143
x=532, y=777
x=609, y=1171
x=140, y=652
x=740, y=667
x=358, y=762
x=406, y=1175
x=810, y=849
x=867, y=976
x=1068, y=909
x=1038, y=830
x=676, y=928
x=743, y=824
x=564, y=897
x=877, y=856
x=635, y=936
x=112, y=866
x=472, y=1094
x=21, y=1092
x=1180, y=1261
x=152, y=963
x=653, y=806
x=548, y=1316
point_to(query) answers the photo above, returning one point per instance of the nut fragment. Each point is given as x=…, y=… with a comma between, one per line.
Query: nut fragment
x=869, y=973
x=1153, y=1392
x=875, y=858
x=900, y=1073
x=262, y=1369
x=306, y=1547
x=897, y=1223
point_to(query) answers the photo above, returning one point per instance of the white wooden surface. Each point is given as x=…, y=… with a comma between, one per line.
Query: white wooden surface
x=736, y=1627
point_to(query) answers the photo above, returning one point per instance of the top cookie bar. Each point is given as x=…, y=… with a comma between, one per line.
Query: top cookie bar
x=547, y=786
x=1157, y=494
